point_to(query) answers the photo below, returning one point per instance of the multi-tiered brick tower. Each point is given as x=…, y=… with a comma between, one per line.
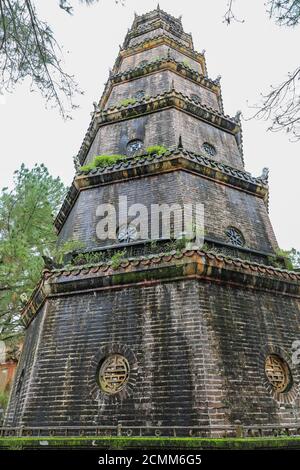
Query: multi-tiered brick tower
x=165, y=341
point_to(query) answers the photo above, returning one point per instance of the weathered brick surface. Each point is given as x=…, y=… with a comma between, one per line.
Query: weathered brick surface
x=158, y=32
x=223, y=206
x=156, y=53
x=164, y=128
x=197, y=347
x=159, y=83
x=22, y=380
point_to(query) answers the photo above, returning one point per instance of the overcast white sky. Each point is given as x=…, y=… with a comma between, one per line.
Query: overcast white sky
x=250, y=56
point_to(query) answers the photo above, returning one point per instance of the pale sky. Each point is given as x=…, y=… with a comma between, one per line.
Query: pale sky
x=249, y=56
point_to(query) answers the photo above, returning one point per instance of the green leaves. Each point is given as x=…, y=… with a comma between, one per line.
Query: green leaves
x=102, y=161
x=156, y=150
x=28, y=49
x=26, y=230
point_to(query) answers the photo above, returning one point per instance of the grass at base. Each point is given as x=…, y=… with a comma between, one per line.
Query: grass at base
x=115, y=443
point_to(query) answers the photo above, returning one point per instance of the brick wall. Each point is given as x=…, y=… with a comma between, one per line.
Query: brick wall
x=134, y=60
x=196, y=348
x=158, y=32
x=223, y=206
x=158, y=83
x=164, y=128
x=25, y=371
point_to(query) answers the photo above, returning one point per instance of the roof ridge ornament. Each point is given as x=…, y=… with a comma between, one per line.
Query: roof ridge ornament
x=265, y=175
x=238, y=115
x=96, y=109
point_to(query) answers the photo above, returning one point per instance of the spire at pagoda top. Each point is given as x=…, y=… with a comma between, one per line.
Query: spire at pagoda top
x=157, y=13
x=146, y=24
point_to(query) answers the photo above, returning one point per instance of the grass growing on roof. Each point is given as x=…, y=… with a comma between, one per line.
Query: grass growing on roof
x=101, y=161
x=156, y=149
x=127, y=101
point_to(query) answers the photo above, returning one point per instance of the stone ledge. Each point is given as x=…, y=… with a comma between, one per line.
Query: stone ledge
x=168, y=99
x=172, y=160
x=188, y=264
x=159, y=24
x=157, y=41
x=165, y=63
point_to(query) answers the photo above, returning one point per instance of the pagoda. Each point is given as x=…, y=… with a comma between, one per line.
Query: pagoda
x=140, y=335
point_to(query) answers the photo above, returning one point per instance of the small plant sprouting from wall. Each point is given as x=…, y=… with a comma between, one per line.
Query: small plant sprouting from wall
x=127, y=101
x=89, y=258
x=101, y=161
x=117, y=258
x=287, y=259
x=187, y=64
x=157, y=58
x=156, y=149
x=63, y=251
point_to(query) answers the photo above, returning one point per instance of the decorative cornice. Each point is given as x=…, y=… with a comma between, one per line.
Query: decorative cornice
x=165, y=100
x=170, y=161
x=192, y=264
x=164, y=63
x=156, y=12
x=171, y=98
x=155, y=65
x=158, y=40
x=161, y=23
x=145, y=165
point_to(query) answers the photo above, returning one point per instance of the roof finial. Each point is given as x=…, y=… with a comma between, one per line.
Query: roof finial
x=265, y=175
x=237, y=116
x=158, y=7
x=218, y=79
x=180, y=146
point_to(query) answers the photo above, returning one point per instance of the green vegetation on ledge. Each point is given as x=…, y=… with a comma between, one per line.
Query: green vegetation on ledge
x=18, y=443
x=156, y=150
x=127, y=101
x=286, y=259
x=101, y=161
x=187, y=64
